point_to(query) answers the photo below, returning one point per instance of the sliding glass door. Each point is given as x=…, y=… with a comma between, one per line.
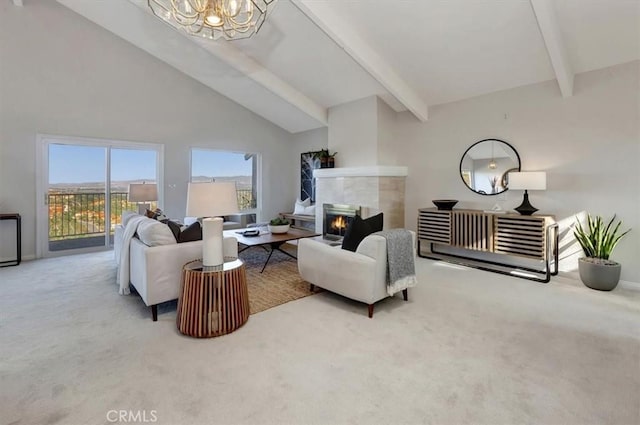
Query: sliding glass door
x=84, y=187
x=76, y=197
x=130, y=166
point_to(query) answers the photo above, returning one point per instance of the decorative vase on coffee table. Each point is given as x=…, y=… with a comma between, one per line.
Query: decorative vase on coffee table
x=283, y=228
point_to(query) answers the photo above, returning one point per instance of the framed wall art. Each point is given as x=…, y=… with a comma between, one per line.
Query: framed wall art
x=309, y=161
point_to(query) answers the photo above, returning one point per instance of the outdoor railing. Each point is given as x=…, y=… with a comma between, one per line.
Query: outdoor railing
x=82, y=214
x=246, y=200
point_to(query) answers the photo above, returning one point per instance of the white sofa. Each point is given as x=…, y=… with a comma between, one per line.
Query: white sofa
x=360, y=275
x=156, y=272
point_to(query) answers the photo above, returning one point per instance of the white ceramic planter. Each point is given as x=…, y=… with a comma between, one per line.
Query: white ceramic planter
x=279, y=229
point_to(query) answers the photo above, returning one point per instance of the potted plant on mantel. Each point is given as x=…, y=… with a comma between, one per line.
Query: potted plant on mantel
x=327, y=160
x=323, y=156
x=597, y=242
x=331, y=160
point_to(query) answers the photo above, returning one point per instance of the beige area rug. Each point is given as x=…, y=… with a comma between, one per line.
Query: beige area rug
x=278, y=284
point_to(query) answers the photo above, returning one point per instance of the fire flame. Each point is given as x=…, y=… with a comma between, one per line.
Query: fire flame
x=339, y=223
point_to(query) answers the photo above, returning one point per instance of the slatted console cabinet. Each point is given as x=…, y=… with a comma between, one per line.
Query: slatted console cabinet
x=531, y=237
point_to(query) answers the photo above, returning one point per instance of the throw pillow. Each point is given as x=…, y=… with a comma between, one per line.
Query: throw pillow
x=360, y=229
x=174, y=227
x=191, y=233
x=310, y=210
x=154, y=233
x=301, y=205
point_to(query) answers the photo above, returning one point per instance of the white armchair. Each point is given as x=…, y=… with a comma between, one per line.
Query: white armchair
x=360, y=275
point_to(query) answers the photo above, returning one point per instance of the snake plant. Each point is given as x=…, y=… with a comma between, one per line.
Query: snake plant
x=598, y=240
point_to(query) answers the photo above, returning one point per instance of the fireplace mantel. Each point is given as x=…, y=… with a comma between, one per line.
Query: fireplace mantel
x=376, y=188
x=371, y=171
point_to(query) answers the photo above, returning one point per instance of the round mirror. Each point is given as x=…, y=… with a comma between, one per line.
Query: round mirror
x=486, y=165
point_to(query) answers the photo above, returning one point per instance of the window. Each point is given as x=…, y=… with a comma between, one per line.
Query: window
x=211, y=165
x=83, y=184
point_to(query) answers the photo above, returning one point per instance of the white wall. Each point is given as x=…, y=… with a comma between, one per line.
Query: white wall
x=388, y=152
x=353, y=132
x=61, y=74
x=363, y=132
x=589, y=145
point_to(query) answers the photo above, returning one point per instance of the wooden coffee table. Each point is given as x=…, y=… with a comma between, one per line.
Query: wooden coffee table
x=272, y=240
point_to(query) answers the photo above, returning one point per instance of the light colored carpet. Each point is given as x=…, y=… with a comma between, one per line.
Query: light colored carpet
x=468, y=347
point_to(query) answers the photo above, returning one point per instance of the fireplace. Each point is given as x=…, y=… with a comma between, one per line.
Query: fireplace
x=336, y=218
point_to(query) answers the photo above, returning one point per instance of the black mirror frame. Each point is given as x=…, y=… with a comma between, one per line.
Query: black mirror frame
x=503, y=176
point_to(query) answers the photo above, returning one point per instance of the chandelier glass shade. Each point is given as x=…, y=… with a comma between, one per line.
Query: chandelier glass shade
x=213, y=19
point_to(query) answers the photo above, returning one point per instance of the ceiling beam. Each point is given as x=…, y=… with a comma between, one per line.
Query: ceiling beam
x=18, y=3
x=349, y=40
x=235, y=58
x=219, y=66
x=550, y=30
x=251, y=68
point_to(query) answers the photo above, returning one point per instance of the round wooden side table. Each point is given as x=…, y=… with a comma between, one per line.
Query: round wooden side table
x=213, y=301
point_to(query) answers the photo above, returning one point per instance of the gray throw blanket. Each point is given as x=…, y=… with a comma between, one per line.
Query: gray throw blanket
x=401, y=269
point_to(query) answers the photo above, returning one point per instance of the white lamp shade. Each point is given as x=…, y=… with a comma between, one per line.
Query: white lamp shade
x=142, y=192
x=528, y=180
x=211, y=199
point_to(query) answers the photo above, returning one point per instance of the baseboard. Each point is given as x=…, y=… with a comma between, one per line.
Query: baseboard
x=630, y=285
x=24, y=258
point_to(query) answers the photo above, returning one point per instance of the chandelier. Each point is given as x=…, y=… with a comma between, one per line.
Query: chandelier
x=213, y=19
x=492, y=163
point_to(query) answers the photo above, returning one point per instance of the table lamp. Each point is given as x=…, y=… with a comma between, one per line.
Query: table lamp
x=209, y=200
x=527, y=180
x=142, y=193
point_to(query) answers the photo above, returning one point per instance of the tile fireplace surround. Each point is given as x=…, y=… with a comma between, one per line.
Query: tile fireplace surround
x=375, y=188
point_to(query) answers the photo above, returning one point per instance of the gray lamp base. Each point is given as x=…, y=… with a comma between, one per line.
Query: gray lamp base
x=142, y=208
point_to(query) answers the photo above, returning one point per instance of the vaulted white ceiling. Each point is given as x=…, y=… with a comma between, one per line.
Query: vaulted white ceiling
x=311, y=55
